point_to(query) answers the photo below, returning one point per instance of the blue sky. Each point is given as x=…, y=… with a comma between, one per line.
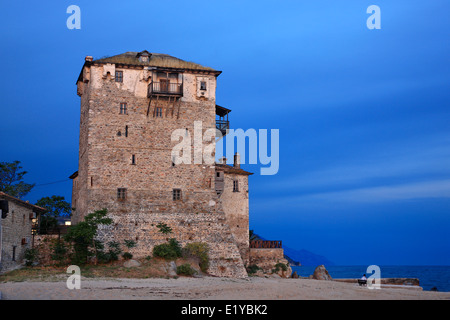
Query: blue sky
x=363, y=114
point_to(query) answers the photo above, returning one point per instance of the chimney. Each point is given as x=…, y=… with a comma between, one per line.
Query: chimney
x=223, y=160
x=237, y=161
x=88, y=58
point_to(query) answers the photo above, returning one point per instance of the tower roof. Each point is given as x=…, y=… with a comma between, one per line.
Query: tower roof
x=154, y=60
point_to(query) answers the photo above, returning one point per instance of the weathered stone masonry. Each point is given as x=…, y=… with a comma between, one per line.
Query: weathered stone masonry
x=125, y=143
x=16, y=234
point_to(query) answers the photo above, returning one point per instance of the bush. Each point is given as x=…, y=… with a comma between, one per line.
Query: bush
x=59, y=252
x=198, y=250
x=82, y=236
x=170, y=250
x=252, y=269
x=186, y=270
x=31, y=256
x=130, y=244
x=279, y=266
x=127, y=256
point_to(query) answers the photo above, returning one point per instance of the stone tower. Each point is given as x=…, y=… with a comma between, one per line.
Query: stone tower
x=131, y=104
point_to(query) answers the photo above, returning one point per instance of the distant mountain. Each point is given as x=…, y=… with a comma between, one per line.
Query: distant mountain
x=305, y=257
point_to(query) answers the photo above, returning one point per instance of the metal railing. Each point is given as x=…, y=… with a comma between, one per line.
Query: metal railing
x=165, y=88
x=265, y=244
x=222, y=125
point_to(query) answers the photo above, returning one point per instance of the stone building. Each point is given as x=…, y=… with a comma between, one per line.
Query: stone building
x=131, y=104
x=16, y=227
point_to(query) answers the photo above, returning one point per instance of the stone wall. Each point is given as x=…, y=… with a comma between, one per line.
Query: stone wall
x=16, y=236
x=236, y=207
x=266, y=259
x=110, y=140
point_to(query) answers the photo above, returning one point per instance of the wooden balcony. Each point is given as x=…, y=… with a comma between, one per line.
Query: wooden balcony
x=222, y=123
x=165, y=88
x=223, y=126
x=265, y=244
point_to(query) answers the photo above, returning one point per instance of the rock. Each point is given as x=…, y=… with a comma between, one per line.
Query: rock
x=294, y=275
x=131, y=263
x=275, y=275
x=170, y=268
x=321, y=273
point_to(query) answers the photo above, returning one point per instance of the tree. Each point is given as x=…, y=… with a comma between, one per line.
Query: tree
x=56, y=207
x=83, y=234
x=11, y=178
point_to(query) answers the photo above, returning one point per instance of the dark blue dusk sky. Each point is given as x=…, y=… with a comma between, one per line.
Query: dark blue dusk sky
x=363, y=114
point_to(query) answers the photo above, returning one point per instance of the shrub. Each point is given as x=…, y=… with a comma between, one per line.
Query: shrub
x=31, y=256
x=129, y=244
x=127, y=256
x=252, y=269
x=198, y=250
x=170, y=250
x=279, y=266
x=164, y=228
x=114, y=251
x=82, y=235
x=59, y=252
x=186, y=270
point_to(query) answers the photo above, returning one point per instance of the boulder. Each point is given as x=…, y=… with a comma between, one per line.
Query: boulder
x=294, y=275
x=131, y=263
x=170, y=268
x=321, y=273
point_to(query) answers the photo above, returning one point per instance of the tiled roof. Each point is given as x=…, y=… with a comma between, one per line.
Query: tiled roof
x=21, y=202
x=230, y=169
x=155, y=60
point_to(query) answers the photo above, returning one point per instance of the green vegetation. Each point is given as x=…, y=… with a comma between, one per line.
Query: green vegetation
x=186, y=269
x=169, y=251
x=164, y=228
x=127, y=256
x=11, y=179
x=82, y=236
x=199, y=250
x=59, y=252
x=279, y=266
x=31, y=256
x=129, y=244
x=252, y=269
x=56, y=206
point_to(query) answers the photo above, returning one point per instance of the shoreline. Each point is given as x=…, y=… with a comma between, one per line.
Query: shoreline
x=209, y=288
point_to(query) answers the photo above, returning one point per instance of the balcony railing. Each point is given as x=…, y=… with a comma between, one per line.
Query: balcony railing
x=265, y=244
x=165, y=88
x=223, y=126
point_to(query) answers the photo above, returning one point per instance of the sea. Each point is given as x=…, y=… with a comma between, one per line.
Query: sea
x=429, y=276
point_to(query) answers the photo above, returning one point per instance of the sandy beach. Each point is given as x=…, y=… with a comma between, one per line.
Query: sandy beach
x=209, y=288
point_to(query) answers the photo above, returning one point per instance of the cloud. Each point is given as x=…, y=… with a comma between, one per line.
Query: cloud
x=429, y=189
x=405, y=161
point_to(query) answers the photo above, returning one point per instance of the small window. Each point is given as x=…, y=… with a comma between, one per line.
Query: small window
x=14, y=253
x=176, y=193
x=121, y=193
x=235, y=186
x=133, y=159
x=202, y=85
x=123, y=108
x=159, y=112
x=119, y=76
